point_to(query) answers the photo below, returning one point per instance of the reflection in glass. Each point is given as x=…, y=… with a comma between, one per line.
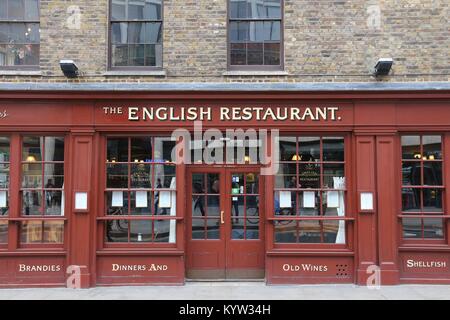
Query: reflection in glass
x=31, y=203
x=116, y=231
x=237, y=206
x=4, y=211
x=411, y=147
x=333, y=149
x=117, y=150
x=116, y=203
x=4, y=176
x=412, y=227
x=309, y=148
x=53, y=175
x=309, y=176
x=4, y=149
x=433, y=228
x=141, y=175
x=252, y=207
x=198, y=183
x=213, y=228
x=411, y=173
x=252, y=183
x=213, y=182
x=237, y=229
x=198, y=206
x=163, y=149
x=164, y=176
x=411, y=199
x=140, y=230
x=331, y=171
x=54, y=148
x=285, y=210
x=53, y=203
x=31, y=148
x=252, y=229
x=3, y=232
x=141, y=149
x=198, y=229
x=432, y=147
x=213, y=209
x=308, y=210
x=432, y=173
x=162, y=230
x=330, y=230
x=286, y=176
x=285, y=231
x=31, y=232
x=432, y=200
x=309, y=231
x=53, y=232
x=117, y=176
x=142, y=205
x=32, y=175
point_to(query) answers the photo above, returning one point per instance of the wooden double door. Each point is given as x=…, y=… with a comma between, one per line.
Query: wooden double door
x=225, y=225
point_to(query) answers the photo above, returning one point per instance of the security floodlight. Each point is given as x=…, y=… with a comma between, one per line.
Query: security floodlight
x=69, y=68
x=383, y=66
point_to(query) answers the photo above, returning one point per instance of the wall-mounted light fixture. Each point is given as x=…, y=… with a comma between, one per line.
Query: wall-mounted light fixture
x=69, y=68
x=383, y=67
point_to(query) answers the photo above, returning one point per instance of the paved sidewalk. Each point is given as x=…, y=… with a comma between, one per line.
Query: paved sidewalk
x=234, y=291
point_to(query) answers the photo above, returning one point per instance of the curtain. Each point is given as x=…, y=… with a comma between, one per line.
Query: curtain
x=339, y=183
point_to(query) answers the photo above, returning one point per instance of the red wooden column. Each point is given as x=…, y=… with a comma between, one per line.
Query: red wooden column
x=366, y=220
x=388, y=192
x=82, y=222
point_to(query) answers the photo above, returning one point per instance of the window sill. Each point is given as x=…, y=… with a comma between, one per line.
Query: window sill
x=154, y=73
x=20, y=73
x=255, y=73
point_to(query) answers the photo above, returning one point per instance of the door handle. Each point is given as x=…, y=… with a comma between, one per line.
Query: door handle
x=222, y=221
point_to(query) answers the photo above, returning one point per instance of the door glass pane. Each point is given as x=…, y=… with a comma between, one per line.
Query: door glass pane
x=198, y=183
x=252, y=183
x=252, y=228
x=213, y=182
x=237, y=206
x=238, y=232
x=213, y=209
x=198, y=229
x=213, y=228
x=198, y=206
x=237, y=183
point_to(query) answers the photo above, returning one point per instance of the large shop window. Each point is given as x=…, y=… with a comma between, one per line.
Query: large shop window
x=42, y=190
x=422, y=187
x=255, y=34
x=140, y=196
x=136, y=34
x=309, y=198
x=19, y=34
x=4, y=188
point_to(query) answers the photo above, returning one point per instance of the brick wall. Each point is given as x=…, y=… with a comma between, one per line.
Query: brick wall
x=324, y=41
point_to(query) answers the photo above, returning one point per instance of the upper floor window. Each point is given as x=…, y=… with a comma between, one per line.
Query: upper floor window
x=255, y=34
x=136, y=34
x=422, y=187
x=19, y=34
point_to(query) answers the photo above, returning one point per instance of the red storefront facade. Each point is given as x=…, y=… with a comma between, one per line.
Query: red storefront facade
x=363, y=188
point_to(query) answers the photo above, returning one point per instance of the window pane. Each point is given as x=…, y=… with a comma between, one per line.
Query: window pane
x=152, y=33
x=252, y=228
x=252, y=207
x=309, y=231
x=3, y=232
x=117, y=150
x=53, y=203
x=4, y=149
x=198, y=206
x=286, y=209
x=309, y=148
x=287, y=176
x=237, y=228
x=140, y=230
x=272, y=31
x=4, y=176
x=432, y=147
x=135, y=9
x=119, y=55
x=288, y=148
x=4, y=211
x=309, y=176
x=17, y=33
x=116, y=203
x=164, y=203
x=31, y=55
x=31, y=232
x=32, y=203
x=141, y=149
x=256, y=9
x=164, y=176
x=136, y=55
x=255, y=54
x=141, y=175
x=271, y=54
x=411, y=147
x=309, y=203
x=237, y=206
x=118, y=9
x=53, y=232
x=119, y=33
x=54, y=175
x=163, y=149
x=411, y=199
x=213, y=209
x=213, y=183
x=16, y=9
x=32, y=175
x=239, y=31
x=238, y=54
x=256, y=31
x=162, y=231
x=411, y=173
x=238, y=9
x=285, y=231
x=330, y=173
x=32, y=9
x=4, y=33
x=31, y=149
x=333, y=149
x=198, y=183
x=117, y=176
x=273, y=8
x=32, y=33
x=136, y=33
x=252, y=183
x=141, y=202
x=432, y=200
x=412, y=228
x=152, y=10
x=330, y=231
x=433, y=228
x=3, y=9
x=432, y=173
x=116, y=231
